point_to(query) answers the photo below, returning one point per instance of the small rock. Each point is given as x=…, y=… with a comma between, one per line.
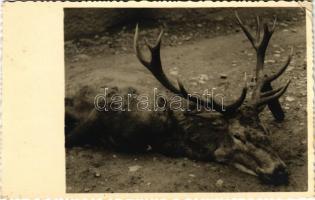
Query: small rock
x=192, y=175
x=148, y=183
x=290, y=68
x=194, y=83
x=277, y=55
x=187, y=38
x=204, y=77
x=124, y=49
x=283, y=24
x=114, y=156
x=97, y=174
x=250, y=54
x=223, y=76
x=201, y=82
x=219, y=18
x=290, y=99
x=87, y=189
x=134, y=168
x=174, y=73
x=193, y=78
x=277, y=52
x=199, y=25
x=82, y=57
x=293, y=30
x=195, y=165
x=174, y=37
x=285, y=30
x=302, y=94
x=270, y=61
x=219, y=183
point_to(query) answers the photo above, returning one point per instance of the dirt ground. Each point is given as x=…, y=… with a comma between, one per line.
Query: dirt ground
x=104, y=60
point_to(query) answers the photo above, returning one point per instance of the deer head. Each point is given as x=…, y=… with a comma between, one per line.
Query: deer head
x=245, y=144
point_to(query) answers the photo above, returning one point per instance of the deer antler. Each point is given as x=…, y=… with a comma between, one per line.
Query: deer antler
x=155, y=67
x=260, y=95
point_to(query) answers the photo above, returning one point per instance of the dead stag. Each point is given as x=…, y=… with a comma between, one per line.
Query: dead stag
x=236, y=136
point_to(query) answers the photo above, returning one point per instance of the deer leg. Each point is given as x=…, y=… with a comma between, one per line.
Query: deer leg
x=84, y=132
x=274, y=105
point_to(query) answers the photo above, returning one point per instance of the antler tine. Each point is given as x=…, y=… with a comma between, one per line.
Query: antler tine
x=137, y=49
x=266, y=38
x=270, y=92
x=275, y=95
x=258, y=28
x=246, y=31
x=154, y=65
x=241, y=98
x=232, y=107
x=274, y=23
x=282, y=69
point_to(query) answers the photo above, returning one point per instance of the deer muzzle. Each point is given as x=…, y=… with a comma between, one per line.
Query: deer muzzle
x=256, y=159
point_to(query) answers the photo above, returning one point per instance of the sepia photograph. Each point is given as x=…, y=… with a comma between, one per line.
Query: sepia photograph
x=172, y=100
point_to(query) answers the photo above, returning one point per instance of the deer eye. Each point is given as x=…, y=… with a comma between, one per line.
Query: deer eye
x=238, y=137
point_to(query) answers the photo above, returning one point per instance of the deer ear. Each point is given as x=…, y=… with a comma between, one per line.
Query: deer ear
x=274, y=105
